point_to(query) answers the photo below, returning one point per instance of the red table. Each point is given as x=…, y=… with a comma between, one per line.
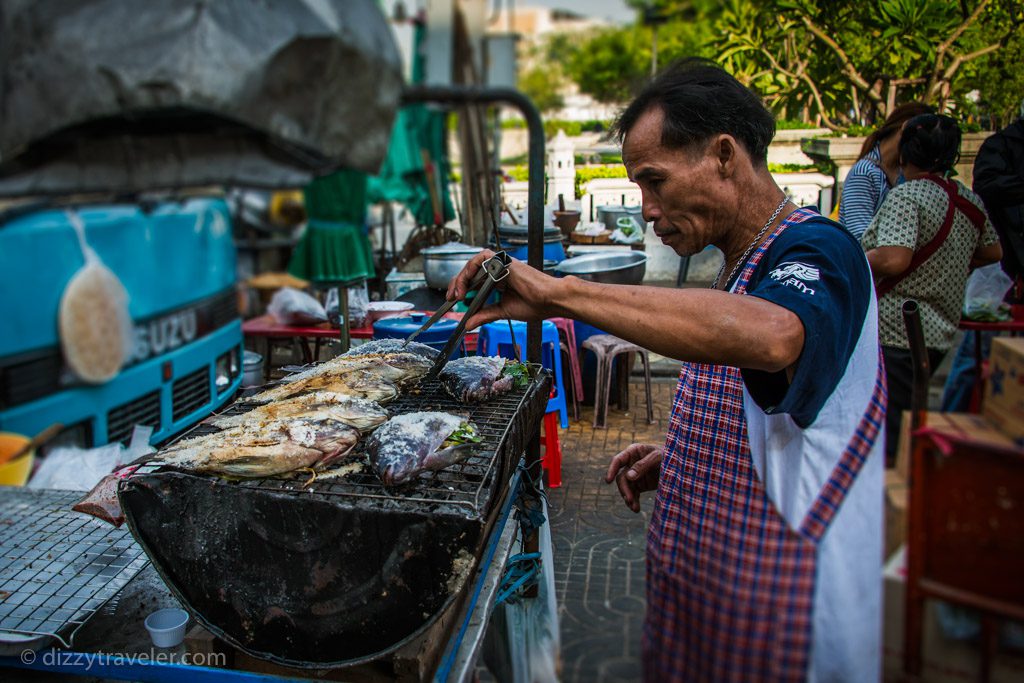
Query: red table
x=1014, y=326
x=267, y=328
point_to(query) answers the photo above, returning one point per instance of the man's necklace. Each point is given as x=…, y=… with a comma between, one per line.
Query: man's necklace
x=757, y=240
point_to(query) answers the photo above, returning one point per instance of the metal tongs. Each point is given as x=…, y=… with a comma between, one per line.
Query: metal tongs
x=494, y=270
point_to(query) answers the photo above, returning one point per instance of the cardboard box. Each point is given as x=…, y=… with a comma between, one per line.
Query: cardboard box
x=964, y=425
x=896, y=501
x=1004, y=390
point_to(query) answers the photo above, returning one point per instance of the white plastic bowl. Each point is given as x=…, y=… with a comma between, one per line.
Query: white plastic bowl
x=377, y=310
x=167, y=626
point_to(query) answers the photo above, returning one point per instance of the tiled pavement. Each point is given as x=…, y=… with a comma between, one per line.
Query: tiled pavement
x=599, y=543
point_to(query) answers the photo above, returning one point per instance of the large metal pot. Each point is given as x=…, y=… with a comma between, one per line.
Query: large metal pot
x=441, y=264
x=610, y=215
x=616, y=268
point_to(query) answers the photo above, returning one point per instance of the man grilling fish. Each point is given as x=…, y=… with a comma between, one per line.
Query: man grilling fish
x=764, y=549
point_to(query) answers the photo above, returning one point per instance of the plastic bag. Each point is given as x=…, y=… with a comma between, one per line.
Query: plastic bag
x=80, y=469
x=291, y=307
x=96, y=333
x=628, y=231
x=358, y=305
x=983, y=299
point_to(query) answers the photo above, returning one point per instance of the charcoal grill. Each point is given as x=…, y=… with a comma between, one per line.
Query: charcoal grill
x=329, y=573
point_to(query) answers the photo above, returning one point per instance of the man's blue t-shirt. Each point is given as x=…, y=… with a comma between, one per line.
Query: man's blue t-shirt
x=817, y=270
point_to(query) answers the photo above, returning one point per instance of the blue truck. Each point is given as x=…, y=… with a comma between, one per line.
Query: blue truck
x=176, y=259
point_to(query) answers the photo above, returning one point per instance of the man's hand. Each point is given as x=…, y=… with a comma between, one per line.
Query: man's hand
x=525, y=292
x=634, y=471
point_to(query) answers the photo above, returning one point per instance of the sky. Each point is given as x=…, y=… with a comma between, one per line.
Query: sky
x=612, y=10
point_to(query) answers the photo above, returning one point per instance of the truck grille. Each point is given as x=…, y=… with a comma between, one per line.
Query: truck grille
x=191, y=392
x=144, y=410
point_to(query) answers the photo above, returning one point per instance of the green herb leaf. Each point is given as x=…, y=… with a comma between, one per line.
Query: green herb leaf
x=466, y=433
x=518, y=371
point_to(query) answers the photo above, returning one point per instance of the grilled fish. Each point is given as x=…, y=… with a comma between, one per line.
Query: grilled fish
x=375, y=377
x=378, y=346
x=266, y=450
x=416, y=442
x=474, y=379
x=355, y=412
x=358, y=382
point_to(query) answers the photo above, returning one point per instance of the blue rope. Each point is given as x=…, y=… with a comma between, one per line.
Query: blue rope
x=521, y=572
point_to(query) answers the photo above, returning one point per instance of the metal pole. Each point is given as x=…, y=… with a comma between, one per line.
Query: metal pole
x=654, y=50
x=535, y=220
x=919, y=358
x=535, y=188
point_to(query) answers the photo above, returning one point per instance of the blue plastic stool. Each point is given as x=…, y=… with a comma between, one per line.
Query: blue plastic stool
x=496, y=340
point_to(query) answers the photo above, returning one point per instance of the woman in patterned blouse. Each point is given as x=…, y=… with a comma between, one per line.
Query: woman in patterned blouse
x=911, y=219
x=877, y=169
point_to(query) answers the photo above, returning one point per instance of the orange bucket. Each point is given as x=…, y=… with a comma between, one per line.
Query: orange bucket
x=14, y=472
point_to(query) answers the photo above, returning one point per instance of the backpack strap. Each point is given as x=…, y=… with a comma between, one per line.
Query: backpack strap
x=966, y=207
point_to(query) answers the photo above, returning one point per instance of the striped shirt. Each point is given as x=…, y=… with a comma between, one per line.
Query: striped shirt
x=863, y=193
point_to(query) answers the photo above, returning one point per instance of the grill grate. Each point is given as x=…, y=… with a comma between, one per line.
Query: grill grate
x=191, y=393
x=144, y=410
x=502, y=422
x=58, y=567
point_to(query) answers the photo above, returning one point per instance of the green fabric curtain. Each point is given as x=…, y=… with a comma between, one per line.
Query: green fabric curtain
x=403, y=177
x=335, y=247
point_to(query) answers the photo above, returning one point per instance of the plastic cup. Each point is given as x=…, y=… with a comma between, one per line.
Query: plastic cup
x=167, y=626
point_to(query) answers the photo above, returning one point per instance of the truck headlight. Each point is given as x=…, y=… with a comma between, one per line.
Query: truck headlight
x=226, y=370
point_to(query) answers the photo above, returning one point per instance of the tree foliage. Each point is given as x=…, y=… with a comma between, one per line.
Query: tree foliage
x=847, y=63
x=612, y=64
x=837, y=64
x=544, y=86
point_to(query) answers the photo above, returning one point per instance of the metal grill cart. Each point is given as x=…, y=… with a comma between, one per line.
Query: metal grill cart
x=298, y=576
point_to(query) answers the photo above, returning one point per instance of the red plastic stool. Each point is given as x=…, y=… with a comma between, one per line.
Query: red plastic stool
x=552, y=458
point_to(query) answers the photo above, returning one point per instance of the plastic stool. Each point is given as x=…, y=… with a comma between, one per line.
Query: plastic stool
x=575, y=388
x=496, y=340
x=567, y=330
x=606, y=347
x=552, y=459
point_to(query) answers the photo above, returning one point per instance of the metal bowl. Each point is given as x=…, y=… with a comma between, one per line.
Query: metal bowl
x=610, y=214
x=441, y=264
x=617, y=268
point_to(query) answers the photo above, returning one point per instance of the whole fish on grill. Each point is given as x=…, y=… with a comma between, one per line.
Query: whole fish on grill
x=375, y=377
x=412, y=443
x=378, y=346
x=355, y=412
x=474, y=379
x=264, y=450
x=357, y=382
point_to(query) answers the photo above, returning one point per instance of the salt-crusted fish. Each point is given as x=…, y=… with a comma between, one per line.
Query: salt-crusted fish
x=400, y=367
x=375, y=377
x=392, y=346
x=358, y=382
x=355, y=412
x=474, y=379
x=266, y=450
x=412, y=443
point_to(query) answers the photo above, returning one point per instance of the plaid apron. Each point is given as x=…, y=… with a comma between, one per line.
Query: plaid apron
x=730, y=585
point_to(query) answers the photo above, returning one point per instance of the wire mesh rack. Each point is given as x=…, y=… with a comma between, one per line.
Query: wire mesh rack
x=57, y=567
x=504, y=423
